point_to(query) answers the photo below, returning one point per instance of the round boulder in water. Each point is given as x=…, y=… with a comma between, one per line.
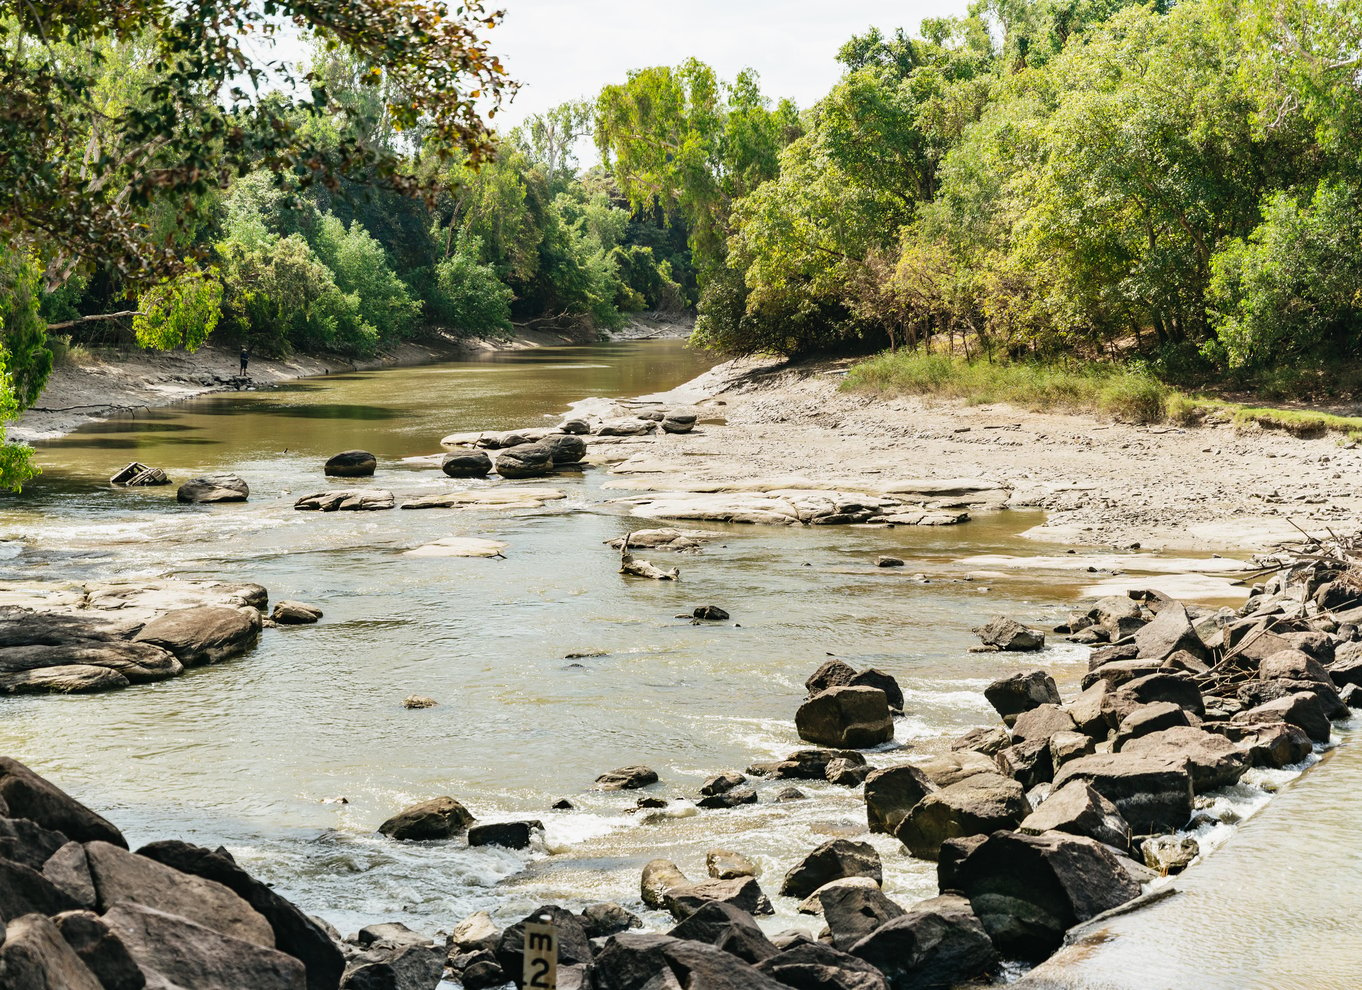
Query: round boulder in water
x=566, y=448
x=466, y=464
x=351, y=464
x=527, y=460
x=214, y=488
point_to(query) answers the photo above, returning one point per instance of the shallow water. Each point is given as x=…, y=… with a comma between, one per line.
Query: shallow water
x=257, y=753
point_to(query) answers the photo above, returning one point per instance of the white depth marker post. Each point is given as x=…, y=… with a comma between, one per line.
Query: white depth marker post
x=541, y=954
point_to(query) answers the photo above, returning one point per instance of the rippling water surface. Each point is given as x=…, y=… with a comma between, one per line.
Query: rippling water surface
x=257, y=754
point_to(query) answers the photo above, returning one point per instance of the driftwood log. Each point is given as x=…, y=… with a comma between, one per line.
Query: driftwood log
x=629, y=564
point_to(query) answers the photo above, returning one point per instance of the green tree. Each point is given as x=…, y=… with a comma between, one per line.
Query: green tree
x=360, y=267
x=180, y=312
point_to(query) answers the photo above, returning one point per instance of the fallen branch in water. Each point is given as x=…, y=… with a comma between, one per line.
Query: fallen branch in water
x=642, y=568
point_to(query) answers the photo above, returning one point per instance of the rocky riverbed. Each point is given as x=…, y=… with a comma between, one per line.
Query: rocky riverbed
x=1066, y=810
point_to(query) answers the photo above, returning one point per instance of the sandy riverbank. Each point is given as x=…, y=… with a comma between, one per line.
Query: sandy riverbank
x=1102, y=483
x=103, y=386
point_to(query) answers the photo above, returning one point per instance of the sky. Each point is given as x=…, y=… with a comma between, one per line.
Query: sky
x=568, y=49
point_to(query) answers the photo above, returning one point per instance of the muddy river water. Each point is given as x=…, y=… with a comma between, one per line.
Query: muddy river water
x=292, y=755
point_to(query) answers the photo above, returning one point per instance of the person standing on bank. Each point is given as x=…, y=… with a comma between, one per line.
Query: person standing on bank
x=245, y=360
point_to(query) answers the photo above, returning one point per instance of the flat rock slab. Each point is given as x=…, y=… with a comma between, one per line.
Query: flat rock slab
x=347, y=500
x=779, y=507
x=459, y=546
x=494, y=498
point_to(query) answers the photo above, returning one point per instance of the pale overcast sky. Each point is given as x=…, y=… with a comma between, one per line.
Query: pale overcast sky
x=562, y=50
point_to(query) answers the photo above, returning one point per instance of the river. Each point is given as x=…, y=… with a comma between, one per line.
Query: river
x=292, y=755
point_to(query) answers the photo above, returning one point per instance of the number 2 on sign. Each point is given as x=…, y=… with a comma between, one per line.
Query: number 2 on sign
x=541, y=956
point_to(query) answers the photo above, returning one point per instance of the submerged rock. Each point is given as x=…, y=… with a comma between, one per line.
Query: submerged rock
x=1010, y=635
x=526, y=460
x=295, y=613
x=347, y=500
x=627, y=778
x=466, y=464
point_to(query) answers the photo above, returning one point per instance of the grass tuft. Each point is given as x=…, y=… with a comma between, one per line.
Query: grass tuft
x=1123, y=393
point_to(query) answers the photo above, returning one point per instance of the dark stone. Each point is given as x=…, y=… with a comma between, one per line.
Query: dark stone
x=627, y=778
x=727, y=928
x=121, y=876
x=949, y=857
x=976, y=805
x=1211, y=759
x=1010, y=635
x=351, y=464
x=1302, y=709
x=1028, y=763
x=813, y=966
x=790, y=794
x=722, y=864
x=34, y=956
x=1077, y=809
x=830, y=674
x=729, y=799
x=23, y=890
x=805, y=764
x=466, y=464
x=604, y=920
x=1028, y=890
x=438, y=818
x=385, y=966
x=983, y=740
x=574, y=945
x=832, y=860
x=1042, y=722
x=512, y=835
x=1267, y=744
x=1153, y=795
x=526, y=460
x=1066, y=746
x=101, y=951
x=936, y=945
x=1146, y=719
x=1170, y=632
x=635, y=961
x=844, y=773
x=204, y=634
x=1118, y=672
x=743, y=893
x=565, y=448
x=69, y=869
x=850, y=717
x=1292, y=665
x=214, y=488
x=28, y=842
x=722, y=782
x=853, y=912
x=1010, y=696
x=29, y=796
x=876, y=678
x=294, y=932
x=710, y=613
x=186, y=954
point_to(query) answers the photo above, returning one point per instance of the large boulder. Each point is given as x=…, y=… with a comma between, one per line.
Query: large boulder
x=854, y=910
x=23, y=890
x=850, y=717
x=347, y=500
x=100, y=950
x=814, y=966
x=1042, y=722
x=635, y=961
x=726, y=927
x=34, y=956
x=214, y=488
x=438, y=818
x=1210, y=758
x=288, y=613
x=510, y=835
x=398, y=966
x=1149, y=718
x=678, y=422
x=466, y=464
x=1028, y=890
x=123, y=876
x=1152, y=794
x=833, y=860
x=69, y=870
x=294, y=932
x=608, y=918
x=743, y=893
x=976, y=805
x=660, y=876
x=1077, y=809
x=1302, y=709
x=574, y=945
x=174, y=952
x=1170, y=632
x=1010, y=696
x=27, y=842
x=27, y=795
x=1267, y=744
x=1010, y=635
x=351, y=464
x=526, y=460
x=204, y=634
x=92, y=663
x=565, y=448
x=805, y=764
x=936, y=944
x=1292, y=665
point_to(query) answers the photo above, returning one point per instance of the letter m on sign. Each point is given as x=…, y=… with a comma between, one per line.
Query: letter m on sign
x=541, y=956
